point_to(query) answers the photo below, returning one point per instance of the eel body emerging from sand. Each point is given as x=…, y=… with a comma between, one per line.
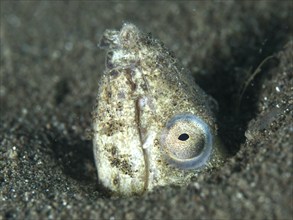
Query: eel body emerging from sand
x=153, y=125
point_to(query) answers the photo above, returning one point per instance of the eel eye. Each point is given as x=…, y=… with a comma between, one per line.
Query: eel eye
x=186, y=141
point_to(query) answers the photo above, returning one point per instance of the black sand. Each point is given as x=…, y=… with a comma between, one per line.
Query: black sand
x=50, y=66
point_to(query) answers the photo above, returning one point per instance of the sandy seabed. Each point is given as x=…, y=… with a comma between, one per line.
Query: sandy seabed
x=50, y=68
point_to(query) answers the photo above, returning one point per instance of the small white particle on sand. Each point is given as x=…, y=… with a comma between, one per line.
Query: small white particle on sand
x=278, y=89
x=239, y=195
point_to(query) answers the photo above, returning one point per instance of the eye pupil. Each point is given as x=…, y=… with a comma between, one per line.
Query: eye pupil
x=183, y=137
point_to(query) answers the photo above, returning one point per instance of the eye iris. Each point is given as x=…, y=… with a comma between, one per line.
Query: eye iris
x=186, y=141
x=185, y=145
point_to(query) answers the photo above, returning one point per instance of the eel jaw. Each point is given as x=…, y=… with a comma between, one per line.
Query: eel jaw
x=147, y=148
x=147, y=136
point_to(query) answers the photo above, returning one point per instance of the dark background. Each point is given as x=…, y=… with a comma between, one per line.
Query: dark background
x=50, y=68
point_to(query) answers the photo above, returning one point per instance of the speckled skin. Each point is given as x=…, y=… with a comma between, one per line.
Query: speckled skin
x=142, y=87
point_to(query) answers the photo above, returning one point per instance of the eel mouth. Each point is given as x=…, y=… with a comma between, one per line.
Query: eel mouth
x=147, y=134
x=144, y=142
